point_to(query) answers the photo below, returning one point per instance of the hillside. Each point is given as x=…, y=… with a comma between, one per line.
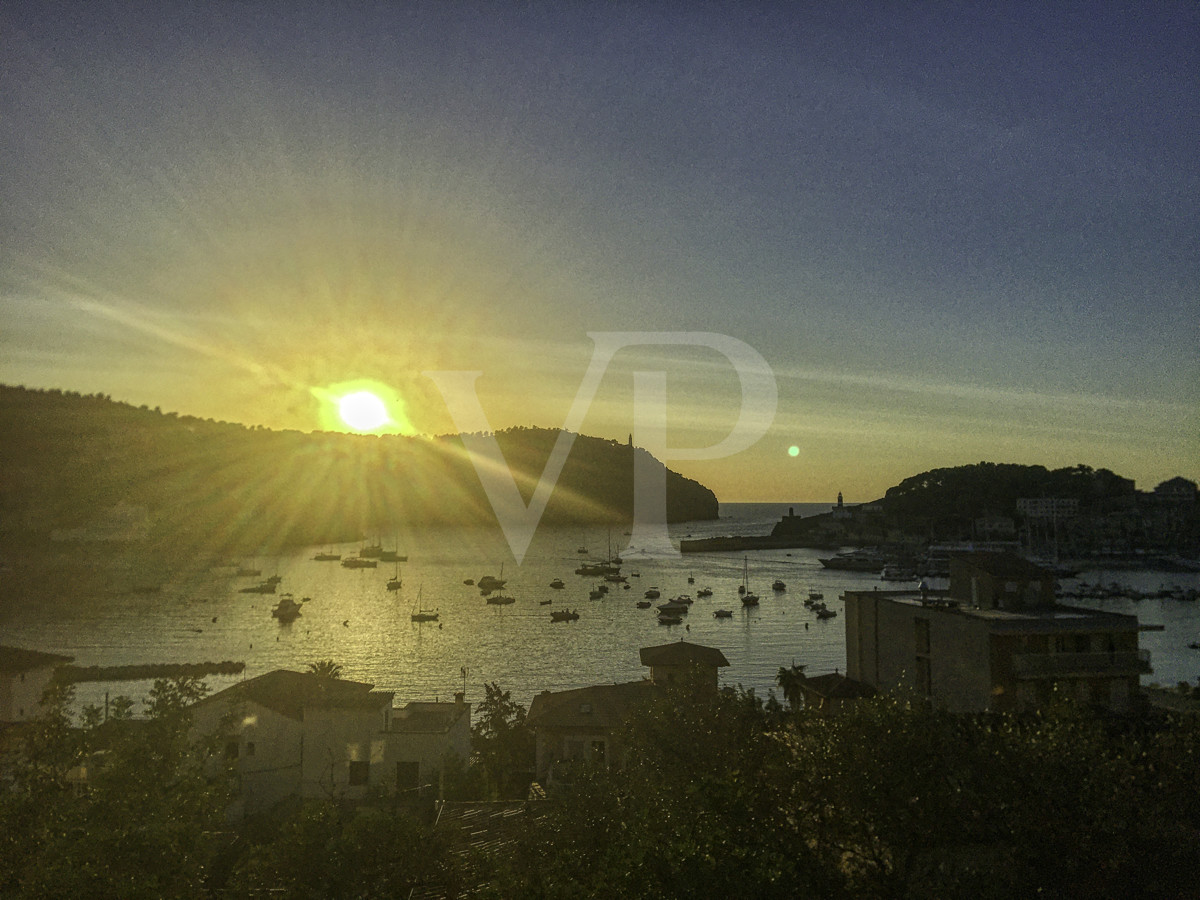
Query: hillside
x=87, y=469
x=1103, y=513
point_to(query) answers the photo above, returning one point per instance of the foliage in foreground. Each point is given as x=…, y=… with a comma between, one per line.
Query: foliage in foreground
x=146, y=825
x=738, y=799
x=729, y=797
x=152, y=821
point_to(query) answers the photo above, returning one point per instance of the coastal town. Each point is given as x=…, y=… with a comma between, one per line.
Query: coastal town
x=995, y=642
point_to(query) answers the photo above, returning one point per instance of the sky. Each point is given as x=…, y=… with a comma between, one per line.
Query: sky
x=954, y=232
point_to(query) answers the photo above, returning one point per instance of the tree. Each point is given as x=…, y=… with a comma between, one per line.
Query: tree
x=146, y=825
x=789, y=681
x=503, y=743
x=325, y=668
x=326, y=850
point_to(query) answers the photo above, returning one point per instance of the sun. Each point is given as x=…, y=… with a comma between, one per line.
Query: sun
x=362, y=406
x=363, y=411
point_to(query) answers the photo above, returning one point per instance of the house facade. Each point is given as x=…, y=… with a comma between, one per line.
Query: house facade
x=295, y=734
x=24, y=677
x=585, y=724
x=997, y=641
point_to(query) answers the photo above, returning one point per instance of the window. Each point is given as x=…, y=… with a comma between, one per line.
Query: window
x=359, y=773
x=924, y=678
x=249, y=748
x=408, y=775
x=921, y=630
x=598, y=752
x=231, y=750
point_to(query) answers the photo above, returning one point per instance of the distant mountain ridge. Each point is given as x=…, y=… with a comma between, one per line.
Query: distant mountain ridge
x=90, y=468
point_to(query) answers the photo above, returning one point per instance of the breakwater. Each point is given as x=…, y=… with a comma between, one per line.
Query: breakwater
x=140, y=671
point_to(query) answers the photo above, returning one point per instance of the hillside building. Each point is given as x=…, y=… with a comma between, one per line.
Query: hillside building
x=996, y=641
x=24, y=677
x=584, y=725
x=296, y=734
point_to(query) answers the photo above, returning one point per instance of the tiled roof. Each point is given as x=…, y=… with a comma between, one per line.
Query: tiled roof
x=599, y=706
x=424, y=717
x=681, y=653
x=288, y=693
x=18, y=659
x=472, y=829
x=837, y=686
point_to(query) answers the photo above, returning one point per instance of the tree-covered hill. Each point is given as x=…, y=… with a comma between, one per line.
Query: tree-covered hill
x=94, y=468
x=994, y=488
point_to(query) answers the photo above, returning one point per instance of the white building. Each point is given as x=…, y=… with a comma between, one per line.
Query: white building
x=295, y=734
x=24, y=677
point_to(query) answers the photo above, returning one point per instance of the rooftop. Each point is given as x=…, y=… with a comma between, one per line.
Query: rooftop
x=682, y=653
x=837, y=686
x=598, y=706
x=1032, y=619
x=1004, y=565
x=18, y=659
x=421, y=717
x=289, y=693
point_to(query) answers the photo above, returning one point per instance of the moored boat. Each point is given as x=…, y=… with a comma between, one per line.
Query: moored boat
x=286, y=610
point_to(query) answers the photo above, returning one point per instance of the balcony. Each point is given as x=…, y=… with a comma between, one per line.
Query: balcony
x=1066, y=665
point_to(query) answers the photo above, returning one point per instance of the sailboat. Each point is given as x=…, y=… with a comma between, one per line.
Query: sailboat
x=393, y=555
x=749, y=598
x=395, y=582
x=423, y=615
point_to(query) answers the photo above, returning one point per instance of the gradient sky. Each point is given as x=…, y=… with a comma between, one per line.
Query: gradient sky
x=956, y=232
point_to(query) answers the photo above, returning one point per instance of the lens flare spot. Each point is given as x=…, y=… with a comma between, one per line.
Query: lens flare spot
x=363, y=411
x=362, y=406
x=793, y=451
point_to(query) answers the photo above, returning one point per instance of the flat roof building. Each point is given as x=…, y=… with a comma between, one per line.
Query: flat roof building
x=996, y=641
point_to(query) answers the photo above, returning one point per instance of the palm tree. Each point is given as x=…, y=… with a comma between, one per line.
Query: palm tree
x=327, y=668
x=789, y=680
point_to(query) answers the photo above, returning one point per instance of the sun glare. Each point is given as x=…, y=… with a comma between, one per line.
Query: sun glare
x=363, y=411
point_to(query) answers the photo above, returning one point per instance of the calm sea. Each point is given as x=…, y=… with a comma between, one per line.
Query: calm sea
x=353, y=619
